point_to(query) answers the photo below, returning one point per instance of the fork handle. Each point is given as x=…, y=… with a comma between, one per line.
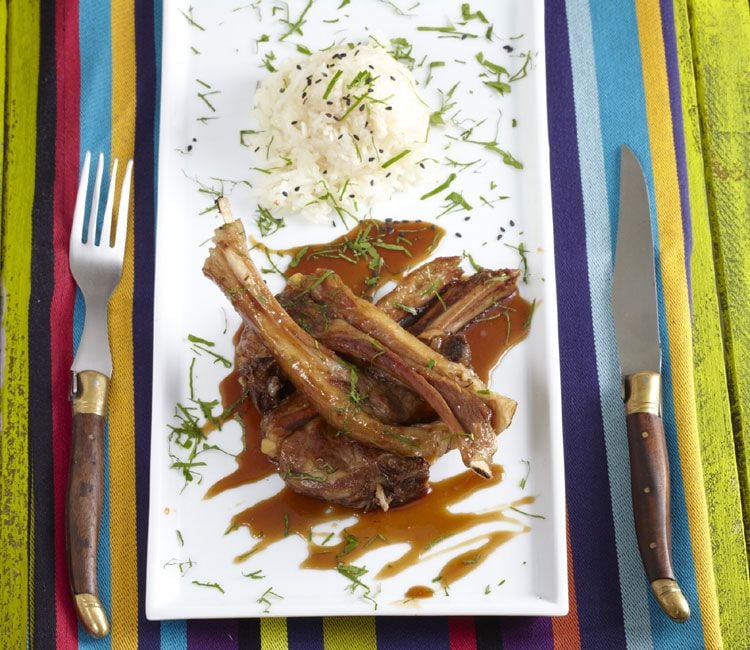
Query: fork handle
x=84, y=497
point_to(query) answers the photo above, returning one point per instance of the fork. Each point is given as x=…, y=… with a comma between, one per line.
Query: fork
x=97, y=268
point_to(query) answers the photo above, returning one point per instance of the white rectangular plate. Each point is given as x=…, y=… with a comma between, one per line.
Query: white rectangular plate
x=526, y=576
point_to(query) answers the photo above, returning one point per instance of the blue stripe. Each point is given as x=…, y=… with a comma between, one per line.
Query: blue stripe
x=624, y=120
x=173, y=634
x=597, y=160
x=95, y=136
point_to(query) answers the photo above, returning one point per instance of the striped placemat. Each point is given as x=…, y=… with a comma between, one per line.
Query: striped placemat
x=83, y=75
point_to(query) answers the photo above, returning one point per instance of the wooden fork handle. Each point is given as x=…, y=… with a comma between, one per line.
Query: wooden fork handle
x=84, y=497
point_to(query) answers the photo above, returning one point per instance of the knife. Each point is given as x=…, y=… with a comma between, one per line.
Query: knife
x=634, y=309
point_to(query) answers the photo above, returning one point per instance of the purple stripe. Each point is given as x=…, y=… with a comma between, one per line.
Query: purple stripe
x=402, y=633
x=531, y=633
x=592, y=536
x=669, y=34
x=214, y=634
x=143, y=292
x=304, y=633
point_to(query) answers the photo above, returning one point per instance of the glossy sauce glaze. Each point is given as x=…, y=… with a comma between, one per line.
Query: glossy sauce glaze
x=425, y=525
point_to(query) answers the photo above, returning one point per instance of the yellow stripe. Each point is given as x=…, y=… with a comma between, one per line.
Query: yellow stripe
x=273, y=634
x=15, y=251
x=672, y=257
x=121, y=420
x=712, y=396
x=347, y=633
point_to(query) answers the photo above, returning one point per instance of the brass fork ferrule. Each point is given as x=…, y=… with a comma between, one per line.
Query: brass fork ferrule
x=643, y=393
x=89, y=392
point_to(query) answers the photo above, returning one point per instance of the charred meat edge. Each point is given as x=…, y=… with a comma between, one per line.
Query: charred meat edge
x=313, y=369
x=481, y=412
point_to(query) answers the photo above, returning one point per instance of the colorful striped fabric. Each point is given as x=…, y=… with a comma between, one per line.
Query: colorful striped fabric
x=84, y=75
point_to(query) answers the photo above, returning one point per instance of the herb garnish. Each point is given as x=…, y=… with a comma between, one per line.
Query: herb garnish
x=527, y=322
x=296, y=26
x=191, y=21
x=438, y=117
x=264, y=599
x=455, y=202
x=212, y=585
x=430, y=67
x=444, y=185
x=255, y=575
x=267, y=223
x=354, y=573
x=467, y=15
x=395, y=158
x=522, y=482
x=528, y=514
x=524, y=262
x=331, y=84
x=447, y=32
x=181, y=565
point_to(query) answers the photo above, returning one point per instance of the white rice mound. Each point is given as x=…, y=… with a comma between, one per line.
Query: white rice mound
x=324, y=156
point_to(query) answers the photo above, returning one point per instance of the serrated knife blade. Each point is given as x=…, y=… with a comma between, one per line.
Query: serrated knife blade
x=635, y=314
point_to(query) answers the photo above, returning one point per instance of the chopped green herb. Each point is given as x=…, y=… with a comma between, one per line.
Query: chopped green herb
x=467, y=14
x=296, y=26
x=484, y=391
x=487, y=590
x=303, y=50
x=455, y=202
x=304, y=476
x=191, y=20
x=474, y=265
x=327, y=539
x=523, y=71
x=406, y=308
x=343, y=4
x=522, y=482
x=434, y=543
x=244, y=133
x=395, y=158
x=524, y=261
x=447, y=32
x=255, y=575
x=267, y=223
x=180, y=541
x=286, y=524
x=501, y=583
x=197, y=339
x=528, y=514
x=405, y=439
x=298, y=257
x=438, y=117
x=472, y=560
x=204, y=97
x=182, y=566
x=430, y=67
x=332, y=83
x=402, y=50
x=212, y=585
x=527, y=322
x=431, y=364
x=351, y=542
x=264, y=599
x=444, y=185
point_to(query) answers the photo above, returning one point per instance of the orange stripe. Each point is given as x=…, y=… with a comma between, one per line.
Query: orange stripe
x=672, y=257
x=122, y=426
x=565, y=631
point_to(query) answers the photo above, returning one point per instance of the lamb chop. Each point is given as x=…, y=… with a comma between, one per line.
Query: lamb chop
x=366, y=468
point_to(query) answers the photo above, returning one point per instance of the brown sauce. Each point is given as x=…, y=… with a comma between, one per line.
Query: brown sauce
x=419, y=591
x=400, y=244
x=498, y=330
x=422, y=525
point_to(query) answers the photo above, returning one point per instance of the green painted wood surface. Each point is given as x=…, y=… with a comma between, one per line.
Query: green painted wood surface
x=711, y=386
x=21, y=70
x=720, y=35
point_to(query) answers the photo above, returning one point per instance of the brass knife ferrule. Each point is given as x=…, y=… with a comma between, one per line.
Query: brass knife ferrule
x=91, y=614
x=669, y=596
x=643, y=393
x=89, y=392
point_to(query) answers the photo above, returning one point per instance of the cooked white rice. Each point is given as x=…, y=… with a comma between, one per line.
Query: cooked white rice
x=330, y=124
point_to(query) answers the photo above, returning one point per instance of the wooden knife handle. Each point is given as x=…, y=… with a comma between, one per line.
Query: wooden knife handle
x=649, y=479
x=84, y=498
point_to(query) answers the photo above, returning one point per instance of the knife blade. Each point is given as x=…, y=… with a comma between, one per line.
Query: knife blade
x=635, y=313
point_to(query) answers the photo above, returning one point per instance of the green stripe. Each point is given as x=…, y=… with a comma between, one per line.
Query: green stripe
x=347, y=633
x=711, y=386
x=22, y=71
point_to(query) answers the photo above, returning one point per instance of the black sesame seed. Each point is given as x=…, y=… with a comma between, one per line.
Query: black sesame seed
x=388, y=174
x=362, y=107
x=195, y=140
x=499, y=237
x=502, y=229
x=371, y=158
x=325, y=171
x=389, y=108
x=421, y=165
x=459, y=235
x=366, y=123
x=356, y=52
x=340, y=136
x=281, y=90
x=393, y=78
x=356, y=137
x=318, y=81
x=296, y=189
x=372, y=182
x=304, y=94
x=256, y=149
x=512, y=223
x=351, y=196
x=380, y=151
x=329, y=115
x=508, y=48
x=329, y=102
x=190, y=147
x=369, y=65
x=285, y=194
x=294, y=122
x=299, y=67
x=467, y=218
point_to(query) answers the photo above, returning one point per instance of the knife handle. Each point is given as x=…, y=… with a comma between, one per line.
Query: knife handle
x=649, y=479
x=84, y=497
